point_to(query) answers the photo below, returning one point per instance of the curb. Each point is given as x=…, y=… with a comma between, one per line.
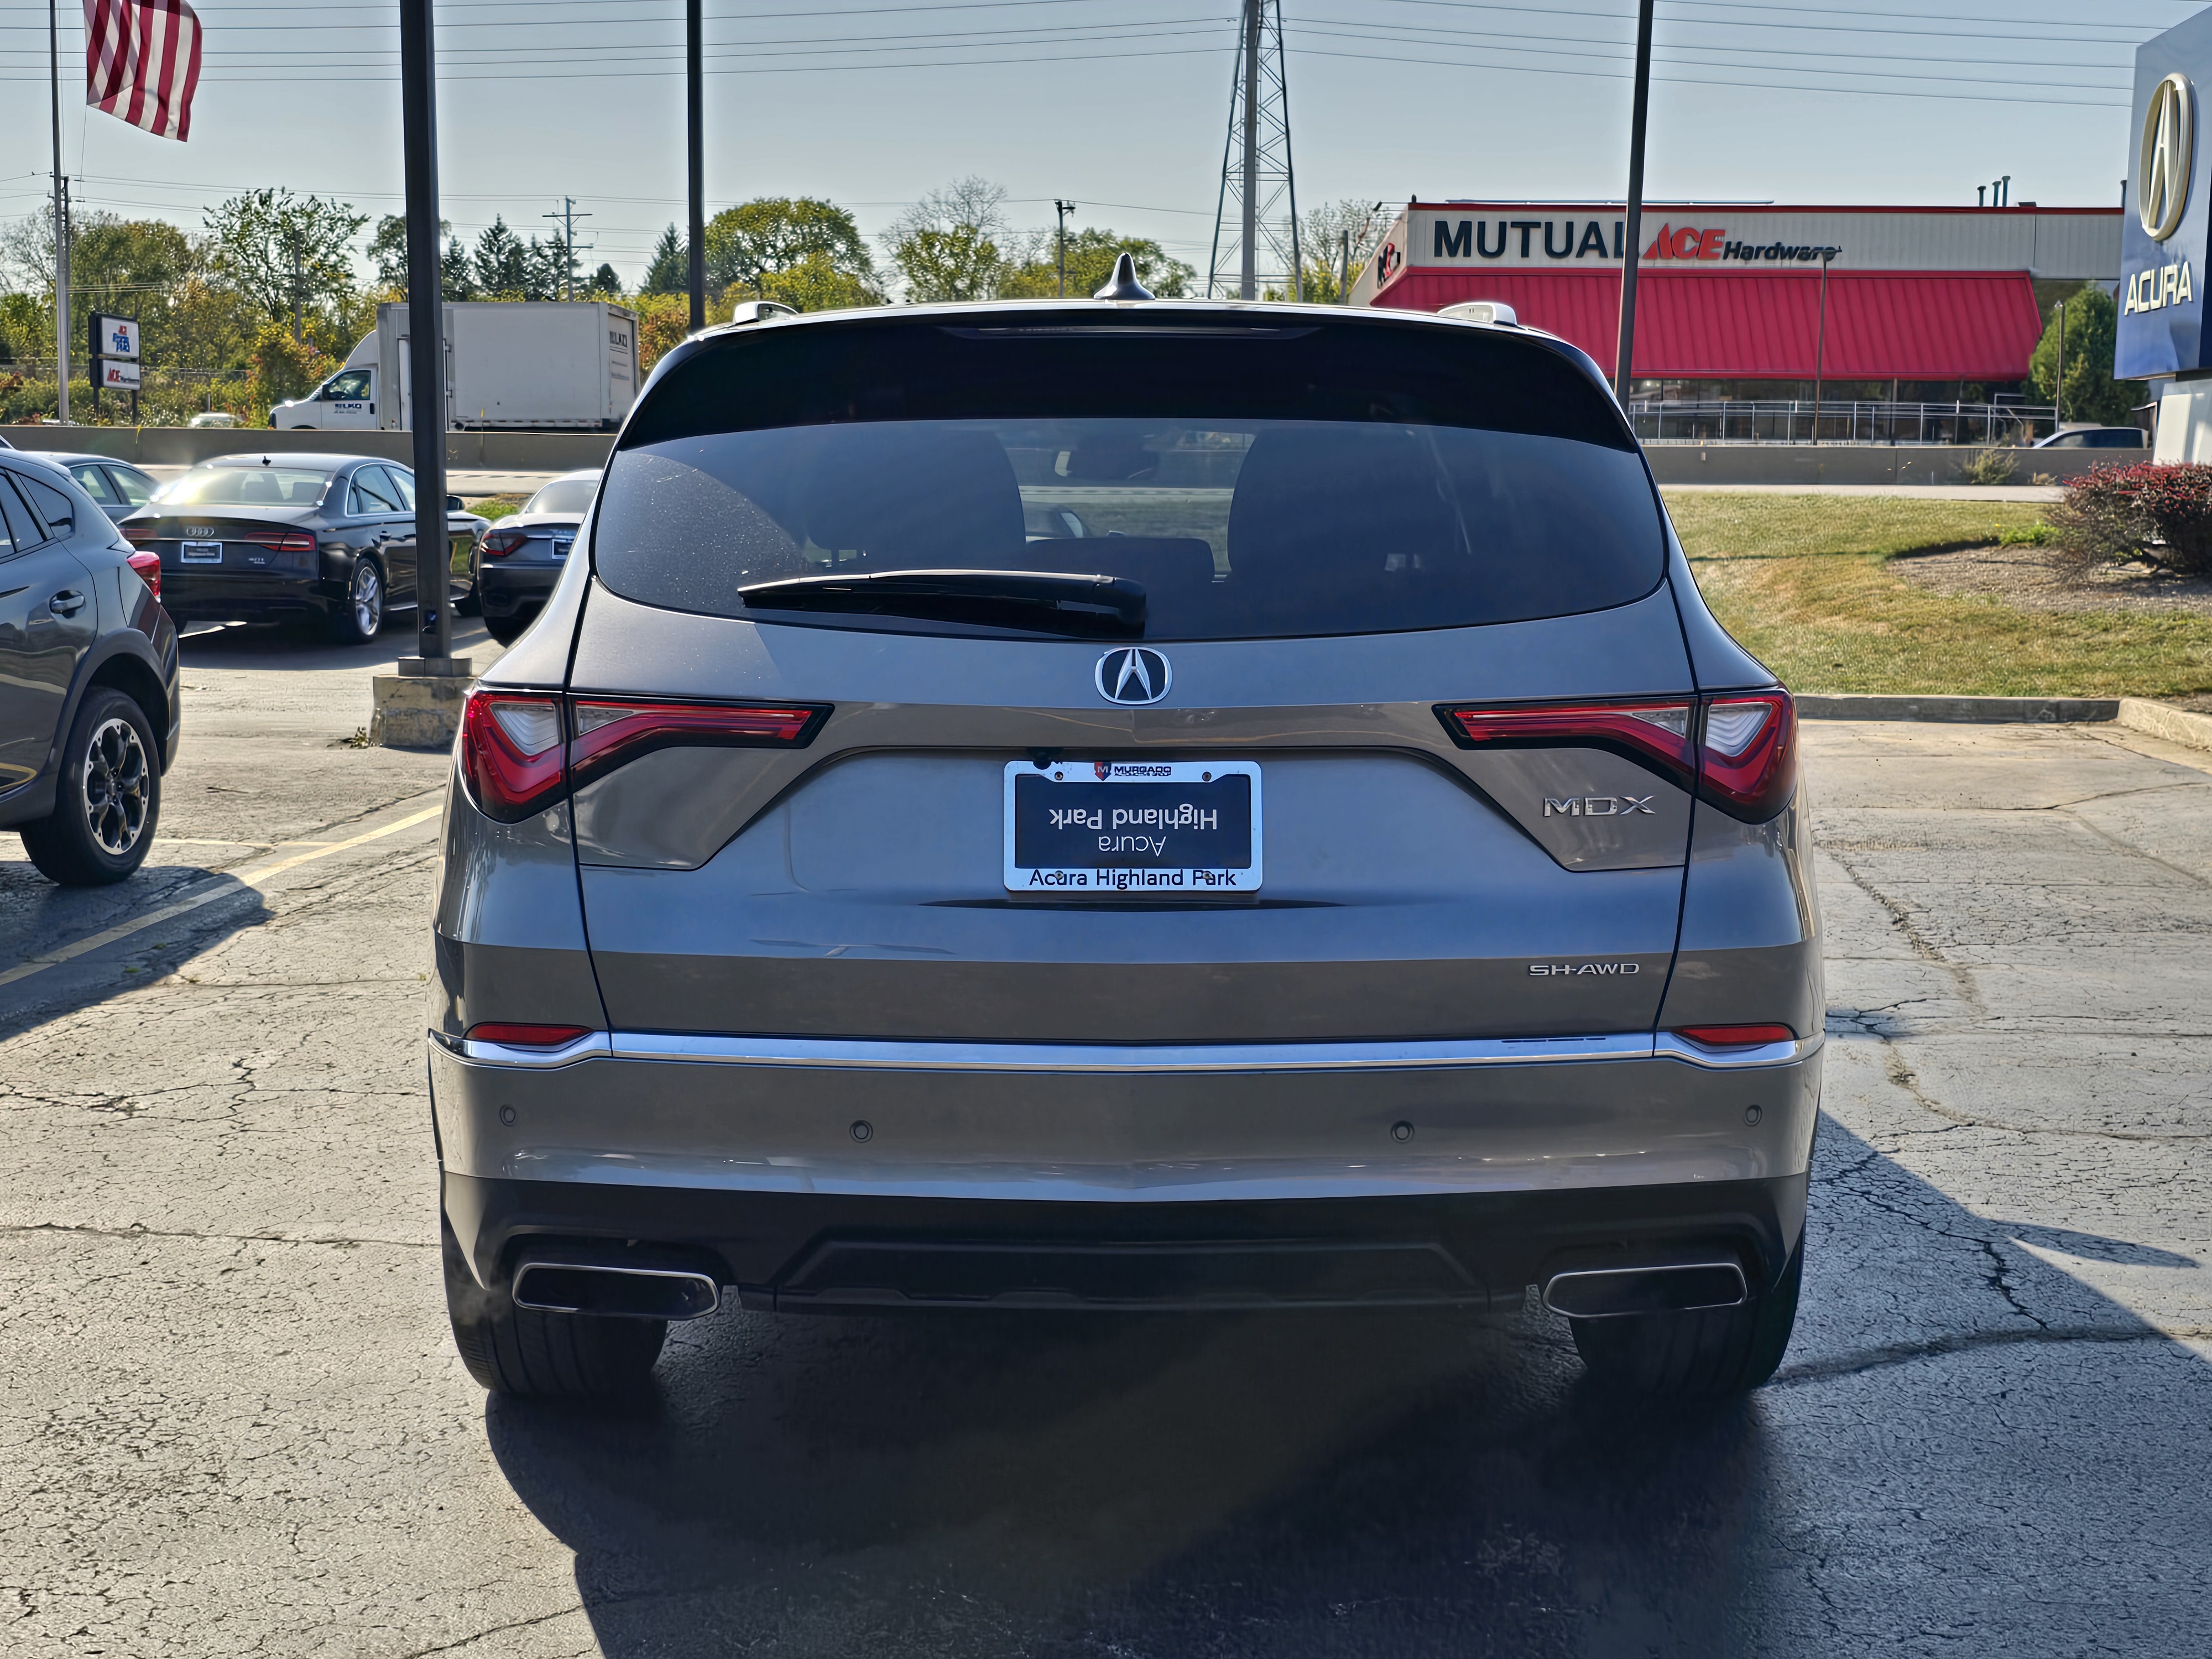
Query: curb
x=1972, y=711
x=2156, y=719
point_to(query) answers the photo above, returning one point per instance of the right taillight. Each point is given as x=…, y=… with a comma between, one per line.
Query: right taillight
x=521, y=752
x=1739, y=750
x=1747, y=755
x=148, y=567
x=498, y=544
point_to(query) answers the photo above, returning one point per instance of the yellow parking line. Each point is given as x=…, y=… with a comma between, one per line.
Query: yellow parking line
x=251, y=877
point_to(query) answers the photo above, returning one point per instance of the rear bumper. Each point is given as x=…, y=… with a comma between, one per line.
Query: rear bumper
x=193, y=596
x=819, y=1174
x=504, y=588
x=800, y=1252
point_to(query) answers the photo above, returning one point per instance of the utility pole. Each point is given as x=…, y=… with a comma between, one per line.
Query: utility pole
x=426, y=343
x=1821, y=344
x=695, y=134
x=61, y=221
x=1063, y=208
x=298, y=332
x=2058, y=386
x=567, y=216
x=1631, y=250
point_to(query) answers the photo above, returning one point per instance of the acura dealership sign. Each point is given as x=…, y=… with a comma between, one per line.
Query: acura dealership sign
x=2162, y=241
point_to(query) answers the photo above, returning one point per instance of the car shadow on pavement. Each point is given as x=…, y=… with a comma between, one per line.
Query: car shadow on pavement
x=1366, y=1483
x=39, y=920
x=289, y=649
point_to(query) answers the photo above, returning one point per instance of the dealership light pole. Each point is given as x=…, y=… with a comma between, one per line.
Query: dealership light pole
x=1063, y=208
x=1626, y=354
x=61, y=224
x=1820, y=342
x=2058, y=386
x=426, y=345
x=695, y=139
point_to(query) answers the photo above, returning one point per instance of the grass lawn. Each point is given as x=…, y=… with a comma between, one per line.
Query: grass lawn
x=1804, y=582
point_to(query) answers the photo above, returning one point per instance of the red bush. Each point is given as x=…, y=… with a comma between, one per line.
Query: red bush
x=2162, y=513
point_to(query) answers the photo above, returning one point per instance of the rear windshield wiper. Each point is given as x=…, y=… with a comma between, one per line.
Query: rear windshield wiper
x=1037, y=601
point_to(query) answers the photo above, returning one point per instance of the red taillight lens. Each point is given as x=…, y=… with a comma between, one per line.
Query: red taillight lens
x=293, y=541
x=1655, y=733
x=498, y=544
x=1736, y=1036
x=511, y=753
x=148, y=567
x=515, y=761
x=525, y=1037
x=139, y=534
x=1747, y=761
x=610, y=733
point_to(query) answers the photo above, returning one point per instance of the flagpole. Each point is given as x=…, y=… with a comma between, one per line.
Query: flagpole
x=61, y=218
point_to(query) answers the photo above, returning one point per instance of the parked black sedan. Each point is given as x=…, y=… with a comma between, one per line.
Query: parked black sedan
x=520, y=558
x=291, y=538
x=89, y=688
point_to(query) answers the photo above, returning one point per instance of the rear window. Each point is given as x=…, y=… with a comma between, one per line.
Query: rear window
x=1284, y=480
x=244, y=486
x=563, y=495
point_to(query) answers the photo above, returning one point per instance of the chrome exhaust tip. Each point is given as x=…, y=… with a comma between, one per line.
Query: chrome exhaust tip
x=579, y=1287
x=1665, y=1287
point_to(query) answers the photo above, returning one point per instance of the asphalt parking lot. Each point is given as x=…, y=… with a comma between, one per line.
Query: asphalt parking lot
x=233, y=1422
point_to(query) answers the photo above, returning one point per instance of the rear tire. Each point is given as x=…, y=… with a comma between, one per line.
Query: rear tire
x=108, y=798
x=1706, y=1354
x=511, y=1349
x=360, y=613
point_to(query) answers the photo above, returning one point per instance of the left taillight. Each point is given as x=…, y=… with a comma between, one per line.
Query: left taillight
x=1747, y=754
x=521, y=752
x=148, y=567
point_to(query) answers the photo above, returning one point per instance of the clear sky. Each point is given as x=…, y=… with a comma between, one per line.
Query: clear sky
x=1120, y=104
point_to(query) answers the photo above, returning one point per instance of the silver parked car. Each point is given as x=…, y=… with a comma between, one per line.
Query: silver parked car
x=1125, y=804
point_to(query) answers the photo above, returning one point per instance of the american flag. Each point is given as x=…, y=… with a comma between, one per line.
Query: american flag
x=142, y=62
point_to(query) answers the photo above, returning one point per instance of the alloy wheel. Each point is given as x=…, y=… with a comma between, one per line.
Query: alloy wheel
x=368, y=599
x=117, y=787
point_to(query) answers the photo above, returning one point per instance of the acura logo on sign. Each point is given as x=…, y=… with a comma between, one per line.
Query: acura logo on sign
x=1133, y=674
x=2169, y=147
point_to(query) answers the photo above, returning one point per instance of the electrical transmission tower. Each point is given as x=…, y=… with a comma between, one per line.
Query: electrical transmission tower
x=1255, y=222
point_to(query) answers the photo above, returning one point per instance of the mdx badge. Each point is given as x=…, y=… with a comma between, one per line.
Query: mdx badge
x=1132, y=675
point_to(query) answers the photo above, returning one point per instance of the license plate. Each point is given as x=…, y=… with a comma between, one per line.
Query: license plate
x=1132, y=827
x=199, y=552
x=562, y=544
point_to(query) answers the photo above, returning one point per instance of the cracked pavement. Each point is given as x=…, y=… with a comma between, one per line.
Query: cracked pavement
x=233, y=1424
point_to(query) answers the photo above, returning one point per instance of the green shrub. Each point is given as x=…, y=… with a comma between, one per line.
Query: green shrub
x=1990, y=466
x=2034, y=535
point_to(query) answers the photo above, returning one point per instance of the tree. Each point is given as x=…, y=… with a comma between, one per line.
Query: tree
x=669, y=271
x=2092, y=393
x=1322, y=235
x=387, y=253
x=1091, y=255
x=749, y=244
x=813, y=284
x=500, y=265
x=551, y=269
x=289, y=253
x=283, y=368
x=955, y=243
x=605, y=283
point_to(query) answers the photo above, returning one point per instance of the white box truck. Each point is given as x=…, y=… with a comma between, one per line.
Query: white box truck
x=526, y=364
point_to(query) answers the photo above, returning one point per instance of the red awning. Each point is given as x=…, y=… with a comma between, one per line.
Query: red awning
x=1714, y=325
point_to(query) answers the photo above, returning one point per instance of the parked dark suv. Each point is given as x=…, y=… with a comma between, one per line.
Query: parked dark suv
x=88, y=706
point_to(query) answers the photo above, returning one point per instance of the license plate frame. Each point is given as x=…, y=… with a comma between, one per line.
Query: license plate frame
x=1165, y=825
x=199, y=552
x=563, y=545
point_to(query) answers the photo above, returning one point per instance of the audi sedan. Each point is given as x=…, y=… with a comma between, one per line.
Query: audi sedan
x=1354, y=871
x=326, y=540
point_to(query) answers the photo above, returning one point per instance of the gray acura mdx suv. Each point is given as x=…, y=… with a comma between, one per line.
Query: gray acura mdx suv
x=1125, y=804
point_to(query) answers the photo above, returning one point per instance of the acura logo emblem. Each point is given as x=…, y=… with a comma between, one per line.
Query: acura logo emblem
x=1133, y=674
x=2169, y=147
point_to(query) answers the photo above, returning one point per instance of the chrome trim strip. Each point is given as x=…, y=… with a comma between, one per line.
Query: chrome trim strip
x=1668, y=1046
x=592, y=1045
x=842, y=1052
x=854, y=1053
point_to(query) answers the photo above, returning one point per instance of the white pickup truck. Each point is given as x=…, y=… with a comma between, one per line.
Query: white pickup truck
x=529, y=365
